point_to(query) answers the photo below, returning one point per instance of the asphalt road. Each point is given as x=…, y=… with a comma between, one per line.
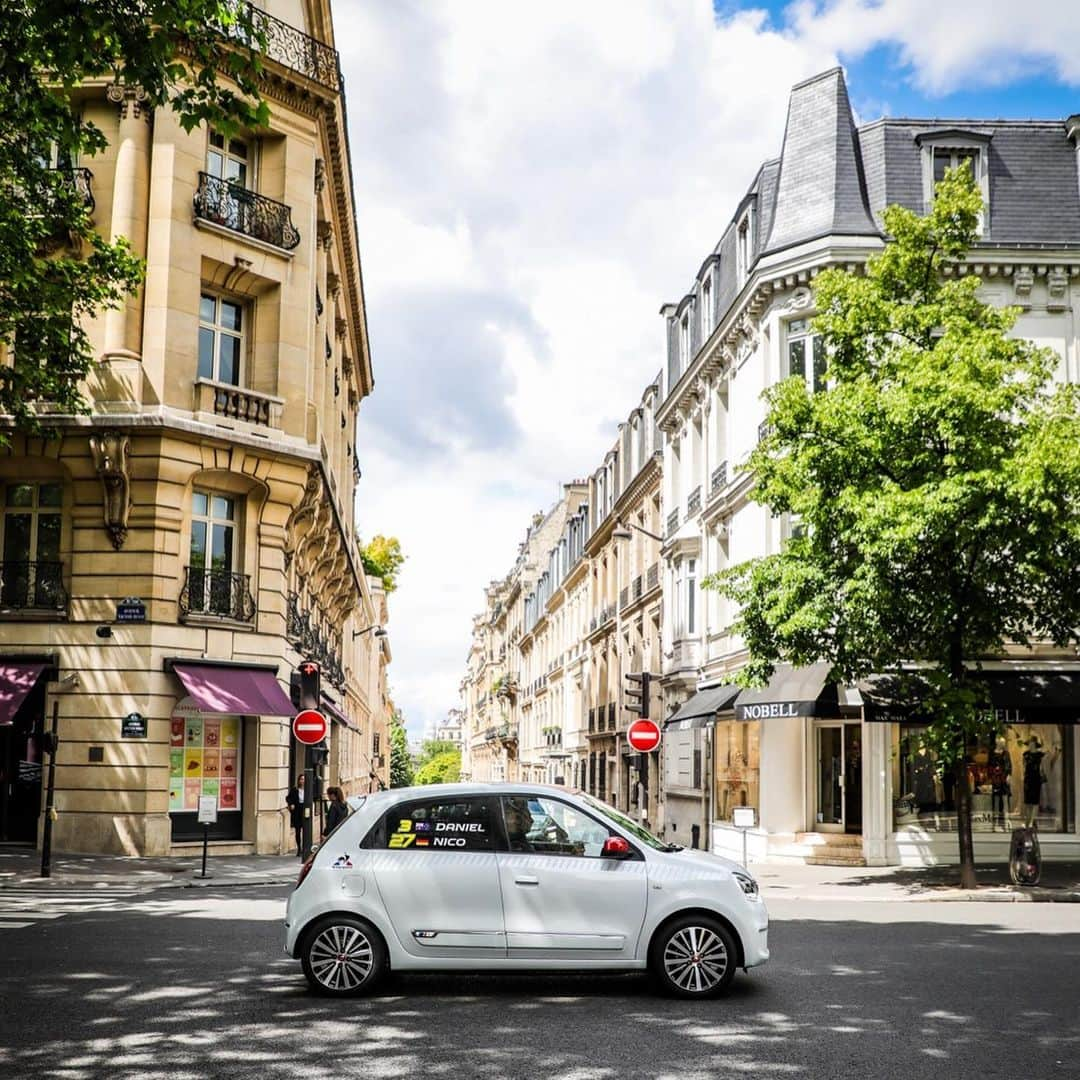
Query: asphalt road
x=192, y=983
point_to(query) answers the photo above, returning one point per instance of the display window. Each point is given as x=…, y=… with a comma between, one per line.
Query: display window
x=737, y=752
x=1023, y=778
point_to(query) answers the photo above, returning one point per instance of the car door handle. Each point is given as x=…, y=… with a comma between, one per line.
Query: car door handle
x=526, y=881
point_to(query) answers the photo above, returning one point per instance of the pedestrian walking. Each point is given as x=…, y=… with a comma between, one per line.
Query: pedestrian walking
x=294, y=800
x=336, y=812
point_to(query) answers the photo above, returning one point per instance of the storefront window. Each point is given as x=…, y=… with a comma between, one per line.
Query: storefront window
x=1024, y=778
x=737, y=752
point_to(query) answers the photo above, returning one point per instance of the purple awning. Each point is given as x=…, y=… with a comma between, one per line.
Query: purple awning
x=238, y=690
x=16, y=681
x=337, y=714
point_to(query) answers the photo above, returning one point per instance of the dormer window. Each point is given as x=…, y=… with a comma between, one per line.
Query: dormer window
x=706, y=310
x=744, y=245
x=684, y=341
x=954, y=149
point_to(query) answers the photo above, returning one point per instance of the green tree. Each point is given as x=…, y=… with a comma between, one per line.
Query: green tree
x=382, y=558
x=56, y=271
x=444, y=768
x=433, y=748
x=401, y=770
x=936, y=482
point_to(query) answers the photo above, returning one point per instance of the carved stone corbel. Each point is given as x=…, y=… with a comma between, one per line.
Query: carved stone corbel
x=320, y=175
x=333, y=284
x=110, y=450
x=324, y=233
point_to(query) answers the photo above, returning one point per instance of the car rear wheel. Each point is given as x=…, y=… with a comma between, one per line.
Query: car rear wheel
x=694, y=957
x=342, y=956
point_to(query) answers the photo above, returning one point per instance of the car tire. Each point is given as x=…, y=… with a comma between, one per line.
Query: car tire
x=694, y=957
x=343, y=956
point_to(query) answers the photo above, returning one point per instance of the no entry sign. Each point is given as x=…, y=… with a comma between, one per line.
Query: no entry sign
x=309, y=727
x=643, y=736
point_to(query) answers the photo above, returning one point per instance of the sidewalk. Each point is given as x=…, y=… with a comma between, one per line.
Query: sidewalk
x=1059, y=883
x=22, y=865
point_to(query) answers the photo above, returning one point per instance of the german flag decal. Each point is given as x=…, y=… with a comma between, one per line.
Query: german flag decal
x=423, y=841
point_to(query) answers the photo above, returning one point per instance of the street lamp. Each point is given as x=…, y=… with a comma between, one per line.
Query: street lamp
x=622, y=531
x=379, y=631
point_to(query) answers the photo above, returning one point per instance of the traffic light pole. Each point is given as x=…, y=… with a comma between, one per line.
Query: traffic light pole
x=309, y=801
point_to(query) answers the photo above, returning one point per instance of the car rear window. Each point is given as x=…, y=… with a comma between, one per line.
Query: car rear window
x=463, y=824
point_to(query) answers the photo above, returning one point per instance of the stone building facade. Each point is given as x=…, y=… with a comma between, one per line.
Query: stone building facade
x=169, y=558
x=829, y=772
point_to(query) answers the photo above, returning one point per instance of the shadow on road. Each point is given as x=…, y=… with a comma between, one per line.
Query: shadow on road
x=186, y=987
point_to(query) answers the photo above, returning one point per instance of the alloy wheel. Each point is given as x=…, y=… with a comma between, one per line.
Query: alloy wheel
x=341, y=958
x=695, y=959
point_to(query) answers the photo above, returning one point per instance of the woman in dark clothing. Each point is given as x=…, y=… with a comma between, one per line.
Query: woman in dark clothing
x=337, y=811
x=294, y=800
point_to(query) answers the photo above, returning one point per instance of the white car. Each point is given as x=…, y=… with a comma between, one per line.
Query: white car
x=516, y=877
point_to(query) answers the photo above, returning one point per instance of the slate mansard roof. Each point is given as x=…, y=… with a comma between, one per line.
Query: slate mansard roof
x=835, y=179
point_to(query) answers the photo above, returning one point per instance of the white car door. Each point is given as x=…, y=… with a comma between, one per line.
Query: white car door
x=435, y=868
x=561, y=898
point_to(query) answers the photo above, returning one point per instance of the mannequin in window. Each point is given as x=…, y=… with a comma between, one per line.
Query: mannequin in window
x=922, y=775
x=1000, y=769
x=1034, y=777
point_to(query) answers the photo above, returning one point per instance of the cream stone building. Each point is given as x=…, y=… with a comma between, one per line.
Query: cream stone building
x=838, y=773
x=581, y=610
x=169, y=558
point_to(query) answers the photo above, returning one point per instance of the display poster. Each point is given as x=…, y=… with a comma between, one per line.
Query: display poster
x=204, y=760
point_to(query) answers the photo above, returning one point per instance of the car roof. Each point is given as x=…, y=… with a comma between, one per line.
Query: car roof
x=434, y=791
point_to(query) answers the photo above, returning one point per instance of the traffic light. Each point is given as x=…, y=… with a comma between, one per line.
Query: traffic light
x=319, y=756
x=636, y=693
x=310, y=683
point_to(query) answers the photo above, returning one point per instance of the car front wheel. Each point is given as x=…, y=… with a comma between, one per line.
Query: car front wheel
x=342, y=956
x=694, y=957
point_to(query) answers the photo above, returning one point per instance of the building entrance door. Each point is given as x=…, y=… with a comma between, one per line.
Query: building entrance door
x=838, y=777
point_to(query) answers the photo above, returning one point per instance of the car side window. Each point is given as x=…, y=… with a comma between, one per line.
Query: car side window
x=461, y=824
x=549, y=826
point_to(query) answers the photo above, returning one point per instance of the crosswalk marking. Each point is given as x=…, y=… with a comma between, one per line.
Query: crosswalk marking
x=22, y=906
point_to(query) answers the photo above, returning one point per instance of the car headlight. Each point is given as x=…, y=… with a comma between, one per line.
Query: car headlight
x=747, y=884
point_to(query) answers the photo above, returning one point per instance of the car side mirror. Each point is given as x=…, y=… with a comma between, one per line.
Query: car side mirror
x=616, y=847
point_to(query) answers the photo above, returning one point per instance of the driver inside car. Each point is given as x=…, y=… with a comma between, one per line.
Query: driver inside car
x=518, y=823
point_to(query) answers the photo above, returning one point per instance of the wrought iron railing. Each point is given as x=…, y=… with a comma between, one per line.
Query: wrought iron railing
x=673, y=522
x=719, y=478
x=763, y=431
x=32, y=586
x=314, y=641
x=298, y=51
x=693, y=502
x=246, y=212
x=210, y=591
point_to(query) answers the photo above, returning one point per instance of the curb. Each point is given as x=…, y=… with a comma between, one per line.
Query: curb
x=1042, y=896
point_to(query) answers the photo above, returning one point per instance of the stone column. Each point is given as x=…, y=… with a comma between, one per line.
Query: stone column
x=877, y=793
x=130, y=204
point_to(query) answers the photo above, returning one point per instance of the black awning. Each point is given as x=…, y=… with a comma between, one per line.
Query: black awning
x=1021, y=697
x=791, y=692
x=701, y=709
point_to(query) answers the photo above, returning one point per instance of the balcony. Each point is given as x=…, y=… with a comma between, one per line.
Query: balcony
x=33, y=587
x=763, y=431
x=719, y=478
x=218, y=593
x=693, y=502
x=81, y=181
x=239, y=210
x=236, y=403
x=298, y=51
x=673, y=522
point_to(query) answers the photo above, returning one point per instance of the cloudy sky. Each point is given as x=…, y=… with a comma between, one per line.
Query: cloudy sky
x=534, y=180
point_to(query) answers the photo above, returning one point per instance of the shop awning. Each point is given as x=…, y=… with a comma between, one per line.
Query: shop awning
x=16, y=681
x=337, y=714
x=1022, y=697
x=700, y=711
x=791, y=692
x=233, y=688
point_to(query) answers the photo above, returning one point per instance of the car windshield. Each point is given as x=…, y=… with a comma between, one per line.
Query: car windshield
x=629, y=824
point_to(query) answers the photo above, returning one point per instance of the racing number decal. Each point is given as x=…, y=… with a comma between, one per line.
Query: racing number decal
x=402, y=840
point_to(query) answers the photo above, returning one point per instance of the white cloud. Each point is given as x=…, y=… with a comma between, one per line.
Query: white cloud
x=534, y=180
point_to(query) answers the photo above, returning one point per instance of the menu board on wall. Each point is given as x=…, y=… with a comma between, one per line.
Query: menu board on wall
x=204, y=759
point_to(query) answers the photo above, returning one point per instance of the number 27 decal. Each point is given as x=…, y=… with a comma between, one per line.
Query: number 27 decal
x=401, y=840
